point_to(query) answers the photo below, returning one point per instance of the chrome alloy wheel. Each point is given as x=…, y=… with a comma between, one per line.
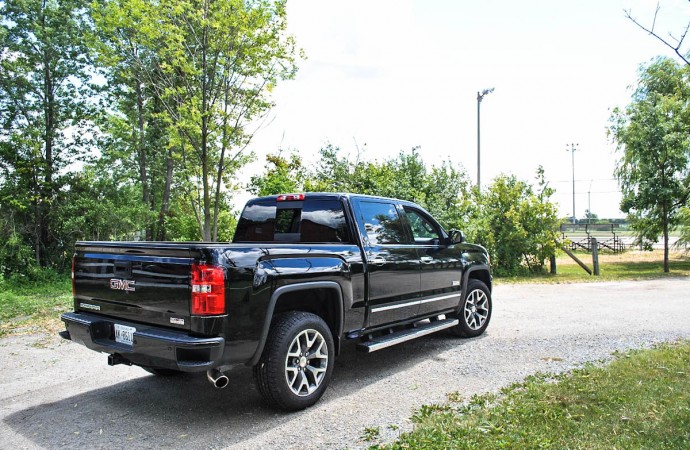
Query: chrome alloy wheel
x=306, y=362
x=476, y=309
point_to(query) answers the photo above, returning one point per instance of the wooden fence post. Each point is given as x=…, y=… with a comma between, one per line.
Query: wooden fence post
x=595, y=257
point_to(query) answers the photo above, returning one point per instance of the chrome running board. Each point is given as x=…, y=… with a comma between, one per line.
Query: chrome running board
x=381, y=342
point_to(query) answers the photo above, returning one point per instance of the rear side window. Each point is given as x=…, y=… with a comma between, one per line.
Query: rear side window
x=382, y=223
x=308, y=221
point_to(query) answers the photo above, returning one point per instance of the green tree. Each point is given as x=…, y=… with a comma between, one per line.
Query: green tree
x=515, y=220
x=45, y=75
x=333, y=173
x=215, y=63
x=134, y=131
x=445, y=190
x=282, y=175
x=517, y=224
x=98, y=206
x=652, y=136
x=449, y=195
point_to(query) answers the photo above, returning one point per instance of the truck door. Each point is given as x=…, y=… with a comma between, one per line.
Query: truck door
x=393, y=266
x=441, y=264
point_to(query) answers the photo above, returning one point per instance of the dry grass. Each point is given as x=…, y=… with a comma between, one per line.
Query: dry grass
x=631, y=265
x=630, y=256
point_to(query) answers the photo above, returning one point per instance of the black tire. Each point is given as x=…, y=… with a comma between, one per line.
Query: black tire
x=160, y=372
x=474, y=313
x=296, y=365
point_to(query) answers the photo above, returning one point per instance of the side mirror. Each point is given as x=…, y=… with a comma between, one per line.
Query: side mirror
x=456, y=237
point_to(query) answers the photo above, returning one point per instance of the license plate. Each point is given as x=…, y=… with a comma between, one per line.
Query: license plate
x=124, y=334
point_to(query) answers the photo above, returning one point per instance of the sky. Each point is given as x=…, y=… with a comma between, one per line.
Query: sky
x=385, y=76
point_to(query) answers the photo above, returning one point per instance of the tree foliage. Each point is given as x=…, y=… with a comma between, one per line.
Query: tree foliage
x=517, y=224
x=281, y=175
x=212, y=65
x=653, y=138
x=45, y=117
x=514, y=220
x=129, y=119
x=135, y=138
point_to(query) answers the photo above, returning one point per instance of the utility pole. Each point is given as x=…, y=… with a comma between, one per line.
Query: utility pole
x=480, y=97
x=573, y=148
x=589, y=202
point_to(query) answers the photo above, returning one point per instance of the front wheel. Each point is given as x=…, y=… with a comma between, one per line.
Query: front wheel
x=297, y=362
x=475, y=310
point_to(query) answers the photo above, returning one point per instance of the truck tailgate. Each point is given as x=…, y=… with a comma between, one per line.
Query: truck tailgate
x=148, y=285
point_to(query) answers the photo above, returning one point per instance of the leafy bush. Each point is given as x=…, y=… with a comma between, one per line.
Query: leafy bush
x=516, y=225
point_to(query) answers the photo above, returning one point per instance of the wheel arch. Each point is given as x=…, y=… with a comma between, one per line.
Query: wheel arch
x=323, y=298
x=480, y=272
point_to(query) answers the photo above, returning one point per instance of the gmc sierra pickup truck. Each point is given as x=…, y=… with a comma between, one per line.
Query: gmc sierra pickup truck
x=304, y=274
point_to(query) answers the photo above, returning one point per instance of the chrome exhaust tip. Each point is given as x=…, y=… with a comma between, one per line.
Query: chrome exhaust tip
x=217, y=378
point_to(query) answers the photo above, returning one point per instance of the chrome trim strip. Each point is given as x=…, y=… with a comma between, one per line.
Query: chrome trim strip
x=415, y=302
x=149, y=259
x=401, y=305
x=436, y=299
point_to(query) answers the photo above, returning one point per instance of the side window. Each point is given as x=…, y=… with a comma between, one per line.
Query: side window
x=382, y=223
x=257, y=223
x=324, y=221
x=423, y=231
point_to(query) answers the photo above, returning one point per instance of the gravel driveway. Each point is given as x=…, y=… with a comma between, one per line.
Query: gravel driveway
x=57, y=394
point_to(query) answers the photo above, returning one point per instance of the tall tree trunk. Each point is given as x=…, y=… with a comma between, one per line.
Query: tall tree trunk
x=46, y=191
x=219, y=174
x=37, y=233
x=666, y=219
x=141, y=150
x=206, y=232
x=165, y=202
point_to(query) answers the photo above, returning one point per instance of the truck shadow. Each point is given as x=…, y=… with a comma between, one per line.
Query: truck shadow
x=186, y=411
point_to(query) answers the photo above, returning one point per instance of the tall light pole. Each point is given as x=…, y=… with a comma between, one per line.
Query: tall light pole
x=589, y=202
x=573, y=148
x=480, y=97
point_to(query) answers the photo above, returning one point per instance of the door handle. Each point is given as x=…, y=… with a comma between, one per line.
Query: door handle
x=378, y=261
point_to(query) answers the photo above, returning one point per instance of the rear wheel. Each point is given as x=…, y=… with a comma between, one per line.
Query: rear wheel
x=475, y=310
x=297, y=362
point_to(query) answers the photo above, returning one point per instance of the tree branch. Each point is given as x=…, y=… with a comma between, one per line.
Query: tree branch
x=650, y=31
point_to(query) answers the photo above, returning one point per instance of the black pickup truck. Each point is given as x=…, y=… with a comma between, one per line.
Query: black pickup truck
x=304, y=274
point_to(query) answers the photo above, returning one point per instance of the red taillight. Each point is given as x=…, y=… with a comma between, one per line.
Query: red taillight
x=208, y=290
x=290, y=197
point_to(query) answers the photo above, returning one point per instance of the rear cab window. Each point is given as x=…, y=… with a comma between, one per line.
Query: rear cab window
x=311, y=220
x=381, y=223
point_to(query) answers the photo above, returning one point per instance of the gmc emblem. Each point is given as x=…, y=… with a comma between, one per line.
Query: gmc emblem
x=122, y=285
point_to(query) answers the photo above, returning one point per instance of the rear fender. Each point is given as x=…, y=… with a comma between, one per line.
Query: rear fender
x=337, y=327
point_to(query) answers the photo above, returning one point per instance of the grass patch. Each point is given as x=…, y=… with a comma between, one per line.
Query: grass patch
x=28, y=305
x=631, y=265
x=639, y=401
